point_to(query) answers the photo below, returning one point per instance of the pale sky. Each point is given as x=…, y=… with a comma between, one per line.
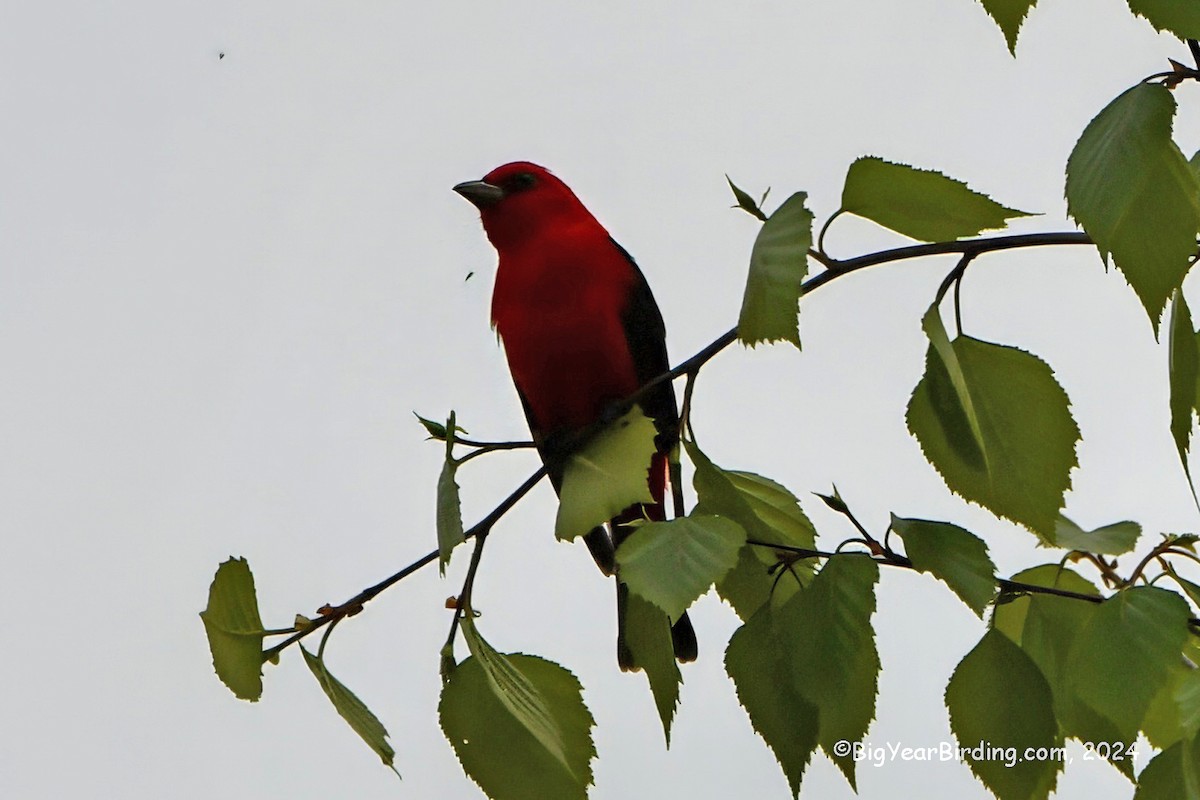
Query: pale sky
x=226, y=283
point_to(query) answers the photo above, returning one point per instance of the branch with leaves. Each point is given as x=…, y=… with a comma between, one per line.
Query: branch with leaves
x=1060, y=658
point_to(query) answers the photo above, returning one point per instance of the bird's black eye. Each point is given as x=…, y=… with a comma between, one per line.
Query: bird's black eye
x=519, y=182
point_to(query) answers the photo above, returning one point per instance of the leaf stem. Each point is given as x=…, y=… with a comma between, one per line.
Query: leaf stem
x=821, y=235
x=463, y=604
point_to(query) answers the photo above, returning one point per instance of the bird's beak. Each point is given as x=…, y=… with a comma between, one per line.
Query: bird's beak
x=481, y=193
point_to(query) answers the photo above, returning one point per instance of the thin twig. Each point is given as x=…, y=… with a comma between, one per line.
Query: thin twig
x=892, y=559
x=463, y=604
x=356, y=603
x=494, y=445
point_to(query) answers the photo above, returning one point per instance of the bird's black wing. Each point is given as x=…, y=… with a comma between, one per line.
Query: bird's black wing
x=647, y=337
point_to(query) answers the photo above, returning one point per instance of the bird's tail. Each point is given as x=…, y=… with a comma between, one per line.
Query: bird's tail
x=683, y=635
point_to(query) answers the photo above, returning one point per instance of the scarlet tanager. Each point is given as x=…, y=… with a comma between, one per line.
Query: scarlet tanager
x=581, y=331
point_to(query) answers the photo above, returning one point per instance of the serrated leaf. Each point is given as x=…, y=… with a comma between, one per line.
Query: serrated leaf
x=757, y=663
x=518, y=724
x=1174, y=774
x=830, y=647
x=235, y=629
x=776, y=507
x=500, y=754
x=921, y=204
x=1183, y=357
x=1133, y=192
x=1123, y=655
x=1046, y=627
x=607, y=476
x=745, y=202
x=767, y=510
x=953, y=555
x=997, y=427
x=1009, y=14
x=354, y=711
x=749, y=584
x=672, y=564
x=1110, y=540
x=997, y=695
x=1180, y=17
x=648, y=636
x=778, y=264
x=449, y=508
x=769, y=513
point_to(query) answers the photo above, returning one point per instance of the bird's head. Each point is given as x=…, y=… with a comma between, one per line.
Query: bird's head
x=518, y=201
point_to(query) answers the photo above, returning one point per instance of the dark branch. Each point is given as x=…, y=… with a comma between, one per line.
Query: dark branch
x=356, y=603
x=893, y=559
x=968, y=248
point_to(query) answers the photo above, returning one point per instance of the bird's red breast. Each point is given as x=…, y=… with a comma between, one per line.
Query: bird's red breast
x=561, y=288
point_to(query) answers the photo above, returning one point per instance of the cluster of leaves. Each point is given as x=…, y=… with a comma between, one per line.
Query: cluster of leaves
x=1062, y=657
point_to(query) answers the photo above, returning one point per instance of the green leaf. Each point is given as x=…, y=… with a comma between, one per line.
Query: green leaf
x=449, y=508
x=1185, y=540
x=1192, y=590
x=353, y=710
x=769, y=513
x=1045, y=625
x=830, y=647
x=767, y=510
x=648, y=636
x=748, y=585
x=1133, y=192
x=998, y=696
x=607, y=476
x=1121, y=658
x=235, y=630
x=756, y=661
x=958, y=408
x=745, y=202
x=918, y=203
x=672, y=564
x=775, y=507
x=953, y=555
x=1174, y=712
x=1110, y=540
x=996, y=425
x=1197, y=399
x=517, y=724
x=1009, y=14
x=778, y=264
x=1180, y=18
x=1183, y=358
x=1174, y=774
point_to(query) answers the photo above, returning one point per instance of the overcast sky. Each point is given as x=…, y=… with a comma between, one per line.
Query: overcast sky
x=226, y=283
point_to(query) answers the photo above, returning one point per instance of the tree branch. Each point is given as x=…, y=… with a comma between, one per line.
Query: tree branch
x=356, y=603
x=893, y=559
x=968, y=248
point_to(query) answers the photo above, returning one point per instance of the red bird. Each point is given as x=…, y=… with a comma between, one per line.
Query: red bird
x=581, y=331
